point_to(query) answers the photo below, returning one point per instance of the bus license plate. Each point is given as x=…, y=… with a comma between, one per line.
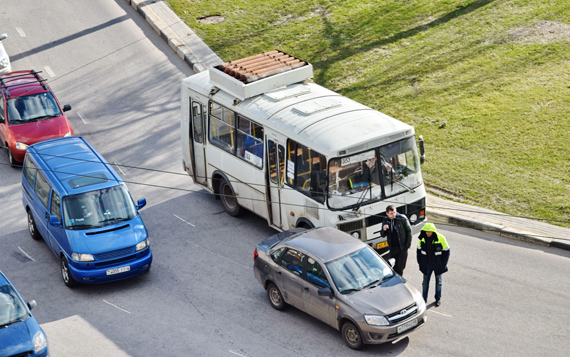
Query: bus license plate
x=382, y=245
x=118, y=270
x=407, y=325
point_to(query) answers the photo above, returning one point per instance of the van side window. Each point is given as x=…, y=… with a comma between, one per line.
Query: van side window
x=42, y=189
x=306, y=170
x=250, y=141
x=222, y=124
x=55, y=208
x=30, y=171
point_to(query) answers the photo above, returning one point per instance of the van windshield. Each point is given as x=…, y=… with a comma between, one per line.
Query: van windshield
x=98, y=208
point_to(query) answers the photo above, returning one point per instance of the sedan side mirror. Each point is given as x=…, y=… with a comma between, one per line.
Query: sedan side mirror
x=66, y=107
x=32, y=304
x=325, y=292
x=141, y=203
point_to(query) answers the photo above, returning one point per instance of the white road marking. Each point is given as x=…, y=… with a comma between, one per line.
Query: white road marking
x=82, y=119
x=185, y=221
x=105, y=301
x=235, y=353
x=119, y=167
x=439, y=313
x=49, y=71
x=26, y=254
x=21, y=32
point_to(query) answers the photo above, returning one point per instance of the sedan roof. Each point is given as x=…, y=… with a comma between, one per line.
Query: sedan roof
x=326, y=243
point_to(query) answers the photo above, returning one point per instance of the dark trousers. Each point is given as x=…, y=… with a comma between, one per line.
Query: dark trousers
x=401, y=256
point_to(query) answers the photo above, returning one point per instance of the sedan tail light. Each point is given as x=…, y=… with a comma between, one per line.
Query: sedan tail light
x=255, y=255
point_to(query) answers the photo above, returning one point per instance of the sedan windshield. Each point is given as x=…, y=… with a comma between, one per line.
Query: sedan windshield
x=98, y=208
x=358, y=270
x=32, y=108
x=372, y=175
x=12, y=308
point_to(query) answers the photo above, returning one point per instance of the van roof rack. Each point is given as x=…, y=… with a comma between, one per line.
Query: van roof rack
x=36, y=75
x=254, y=75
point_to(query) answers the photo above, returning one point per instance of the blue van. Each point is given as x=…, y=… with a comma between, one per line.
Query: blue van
x=20, y=334
x=84, y=212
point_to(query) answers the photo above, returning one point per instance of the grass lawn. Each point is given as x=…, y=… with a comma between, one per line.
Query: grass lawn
x=496, y=71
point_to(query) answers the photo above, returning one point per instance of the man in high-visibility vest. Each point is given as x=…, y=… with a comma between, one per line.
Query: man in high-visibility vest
x=432, y=255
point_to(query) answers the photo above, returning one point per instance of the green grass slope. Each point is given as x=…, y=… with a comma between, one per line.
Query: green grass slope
x=496, y=71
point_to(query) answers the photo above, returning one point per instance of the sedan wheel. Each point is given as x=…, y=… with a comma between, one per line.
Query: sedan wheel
x=351, y=336
x=32, y=227
x=275, y=297
x=66, y=274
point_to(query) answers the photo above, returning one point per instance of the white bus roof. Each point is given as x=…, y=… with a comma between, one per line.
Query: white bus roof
x=322, y=119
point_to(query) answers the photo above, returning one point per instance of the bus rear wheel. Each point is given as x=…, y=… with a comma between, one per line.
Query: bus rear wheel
x=229, y=199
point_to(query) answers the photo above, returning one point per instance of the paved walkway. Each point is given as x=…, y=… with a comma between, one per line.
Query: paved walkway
x=200, y=57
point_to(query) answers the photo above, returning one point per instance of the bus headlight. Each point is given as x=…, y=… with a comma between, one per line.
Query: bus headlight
x=355, y=235
x=413, y=218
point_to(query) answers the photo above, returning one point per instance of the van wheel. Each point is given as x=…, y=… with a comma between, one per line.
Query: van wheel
x=32, y=227
x=229, y=199
x=351, y=336
x=66, y=274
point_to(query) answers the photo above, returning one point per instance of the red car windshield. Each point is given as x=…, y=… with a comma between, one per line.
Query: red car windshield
x=31, y=108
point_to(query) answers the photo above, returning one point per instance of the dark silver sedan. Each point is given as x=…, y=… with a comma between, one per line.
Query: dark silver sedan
x=341, y=281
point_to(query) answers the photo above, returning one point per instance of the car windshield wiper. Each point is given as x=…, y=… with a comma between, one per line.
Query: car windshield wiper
x=114, y=219
x=42, y=117
x=349, y=290
x=83, y=225
x=372, y=283
x=12, y=322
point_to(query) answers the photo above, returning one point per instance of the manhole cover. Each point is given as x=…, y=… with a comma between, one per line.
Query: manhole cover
x=214, y=19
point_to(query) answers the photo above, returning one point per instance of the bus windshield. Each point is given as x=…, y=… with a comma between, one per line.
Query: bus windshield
x=373, y=175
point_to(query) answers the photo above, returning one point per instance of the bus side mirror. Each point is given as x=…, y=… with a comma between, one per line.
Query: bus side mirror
x=422, y=150
x=141, y=203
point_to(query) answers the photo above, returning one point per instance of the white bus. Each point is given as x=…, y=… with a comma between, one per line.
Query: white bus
x=259, y=135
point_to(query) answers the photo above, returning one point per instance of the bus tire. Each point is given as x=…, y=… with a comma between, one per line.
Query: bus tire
x=229, y=199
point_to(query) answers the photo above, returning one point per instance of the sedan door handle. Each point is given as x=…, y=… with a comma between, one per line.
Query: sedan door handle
x=306, y=288
x=279, y=273
x=46, y=215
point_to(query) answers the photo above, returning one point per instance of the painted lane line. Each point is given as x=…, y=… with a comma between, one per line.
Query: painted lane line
x=49, y=71
x=185, y=221
x=221, y=256
x=440, y=313
x=82, y=119
x=21, y=32
x=26, y=254
x=119, y=168
x=105, y=301
x=235, y=353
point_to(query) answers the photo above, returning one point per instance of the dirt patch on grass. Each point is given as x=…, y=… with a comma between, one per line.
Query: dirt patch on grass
x=212, y=19
x=541, y=32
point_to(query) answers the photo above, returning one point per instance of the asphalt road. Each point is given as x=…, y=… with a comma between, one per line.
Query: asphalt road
x=500, y=297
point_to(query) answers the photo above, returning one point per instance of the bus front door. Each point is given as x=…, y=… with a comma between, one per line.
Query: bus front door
x=198, y=143
x=276, y=169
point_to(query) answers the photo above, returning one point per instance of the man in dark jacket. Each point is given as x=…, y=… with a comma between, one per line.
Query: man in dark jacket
x=433, y=255
x=398, y=232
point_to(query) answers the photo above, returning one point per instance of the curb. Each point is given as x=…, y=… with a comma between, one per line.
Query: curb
x=185, y=43
x=495, y=229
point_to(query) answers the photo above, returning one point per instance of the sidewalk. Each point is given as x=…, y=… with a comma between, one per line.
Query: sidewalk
x=200, y=57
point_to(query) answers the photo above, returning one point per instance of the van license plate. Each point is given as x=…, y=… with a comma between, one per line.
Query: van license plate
x=407, y=325
x=382, y=245
x=118, y=270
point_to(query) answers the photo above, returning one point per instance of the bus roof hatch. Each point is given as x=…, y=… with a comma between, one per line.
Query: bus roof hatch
x=251, y=76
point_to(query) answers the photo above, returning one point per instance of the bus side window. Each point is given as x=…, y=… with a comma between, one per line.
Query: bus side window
x=197, y=122
x=250, y=141
x=222, y=127
x=272, y=156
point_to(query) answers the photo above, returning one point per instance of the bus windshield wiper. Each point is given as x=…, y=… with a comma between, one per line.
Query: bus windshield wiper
x=406, y=187
x=362, y=196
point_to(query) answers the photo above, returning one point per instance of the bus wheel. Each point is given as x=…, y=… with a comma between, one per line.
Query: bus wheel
x=229, y=199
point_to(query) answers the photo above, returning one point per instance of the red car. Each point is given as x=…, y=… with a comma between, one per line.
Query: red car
x=29, y=113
